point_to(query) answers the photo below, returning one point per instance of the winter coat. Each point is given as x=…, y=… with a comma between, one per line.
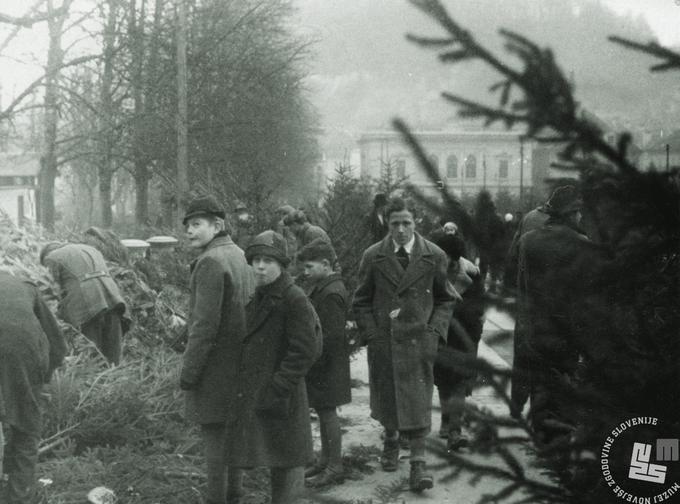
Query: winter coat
x=308, y=233
x=532, y=220
x=221, y=284
x=31, y=347
x=378, y=228
x=328, y=381
x=465, y=331
x=268, y=421
x=402, y=314
x=557, y=267
x=86, y=283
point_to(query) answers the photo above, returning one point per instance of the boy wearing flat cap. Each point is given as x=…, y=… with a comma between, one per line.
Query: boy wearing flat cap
x=328, y=382
x=268, y=424
x=221, y=284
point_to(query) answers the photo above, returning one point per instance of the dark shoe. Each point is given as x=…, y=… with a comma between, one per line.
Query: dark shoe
x=418, y=480
x=325, y=478
x=314, y=470
x=390, y=455
x=457, y=441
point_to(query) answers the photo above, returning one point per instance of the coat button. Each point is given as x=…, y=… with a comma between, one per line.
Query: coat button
x=413, y=341
x=239, y=395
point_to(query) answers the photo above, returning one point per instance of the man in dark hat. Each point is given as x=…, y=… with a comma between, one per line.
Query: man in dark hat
x=556, y=262
x=220, y=286
x=376, y=220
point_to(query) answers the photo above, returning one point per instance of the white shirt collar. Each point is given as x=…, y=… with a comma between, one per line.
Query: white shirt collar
x=408, y=246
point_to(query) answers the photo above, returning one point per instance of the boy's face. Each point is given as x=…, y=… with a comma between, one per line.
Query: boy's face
x=266, y=269
x=200, y=231
x=317, y=270
x=402, y=226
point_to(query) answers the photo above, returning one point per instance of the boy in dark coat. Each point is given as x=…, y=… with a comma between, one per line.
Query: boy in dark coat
x=328, y=381
x=31, y=348
x=221, y=284
x=268, y=423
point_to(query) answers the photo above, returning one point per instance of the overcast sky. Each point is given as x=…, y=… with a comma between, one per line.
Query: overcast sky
x=20, y=62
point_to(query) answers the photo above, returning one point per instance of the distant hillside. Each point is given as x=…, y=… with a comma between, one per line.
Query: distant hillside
x=365, y=72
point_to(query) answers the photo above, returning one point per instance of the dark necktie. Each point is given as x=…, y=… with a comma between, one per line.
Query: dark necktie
x=402, y=257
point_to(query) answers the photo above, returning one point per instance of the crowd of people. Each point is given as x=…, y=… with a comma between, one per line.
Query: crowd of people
x=266, y=336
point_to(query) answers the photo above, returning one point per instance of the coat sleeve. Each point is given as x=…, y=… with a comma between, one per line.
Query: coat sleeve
x=443, y=295
x=333, y=317
x=50, y=327
x=363, y=298
x=302, y=347
x=205, y=319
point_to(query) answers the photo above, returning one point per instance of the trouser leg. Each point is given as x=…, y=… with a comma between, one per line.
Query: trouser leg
x=106, y=333
x=213, y=446
x=112, y=346
x=234, y=485
x=21, y=457
x=331, y=438
x=287, y=484
x=455, y=406
x=417, y=438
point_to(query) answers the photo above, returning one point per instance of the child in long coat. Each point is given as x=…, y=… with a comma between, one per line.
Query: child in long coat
x=221, y=284
x=328, y=382
x=268, y=423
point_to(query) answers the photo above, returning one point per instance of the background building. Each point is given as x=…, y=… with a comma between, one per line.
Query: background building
x=468, y=160
x=18, y=182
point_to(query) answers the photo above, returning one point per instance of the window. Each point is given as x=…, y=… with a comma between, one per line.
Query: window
x=471, y=167
x=401, y=168
x=503, y=169
x=434, y=160
x=452, y=166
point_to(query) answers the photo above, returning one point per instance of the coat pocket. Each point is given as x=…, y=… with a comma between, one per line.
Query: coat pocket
x=272, y=403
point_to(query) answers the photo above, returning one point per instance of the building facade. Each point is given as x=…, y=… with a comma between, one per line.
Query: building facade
x=18, y=182
x=467, y=161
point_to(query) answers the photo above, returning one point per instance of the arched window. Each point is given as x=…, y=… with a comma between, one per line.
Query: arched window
x=401, y=168
x=503, y=169
x=434, y=160
x=471, y=167
x=452, y=166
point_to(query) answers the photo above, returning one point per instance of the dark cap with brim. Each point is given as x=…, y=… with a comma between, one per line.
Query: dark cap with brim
x=204, y=206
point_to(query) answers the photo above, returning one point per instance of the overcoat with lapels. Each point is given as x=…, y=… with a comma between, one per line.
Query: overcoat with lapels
x=402, y=314
x=268, y=421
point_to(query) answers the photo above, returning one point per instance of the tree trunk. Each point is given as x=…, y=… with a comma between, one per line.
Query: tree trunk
x=106, y=163
x=141, y=169
x=182, y=133
x=48, y=172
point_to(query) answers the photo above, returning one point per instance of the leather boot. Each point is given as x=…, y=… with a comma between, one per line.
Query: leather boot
x=390, y=455
x=418, y=480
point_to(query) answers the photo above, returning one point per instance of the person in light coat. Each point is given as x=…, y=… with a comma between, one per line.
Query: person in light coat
x=403, y=304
